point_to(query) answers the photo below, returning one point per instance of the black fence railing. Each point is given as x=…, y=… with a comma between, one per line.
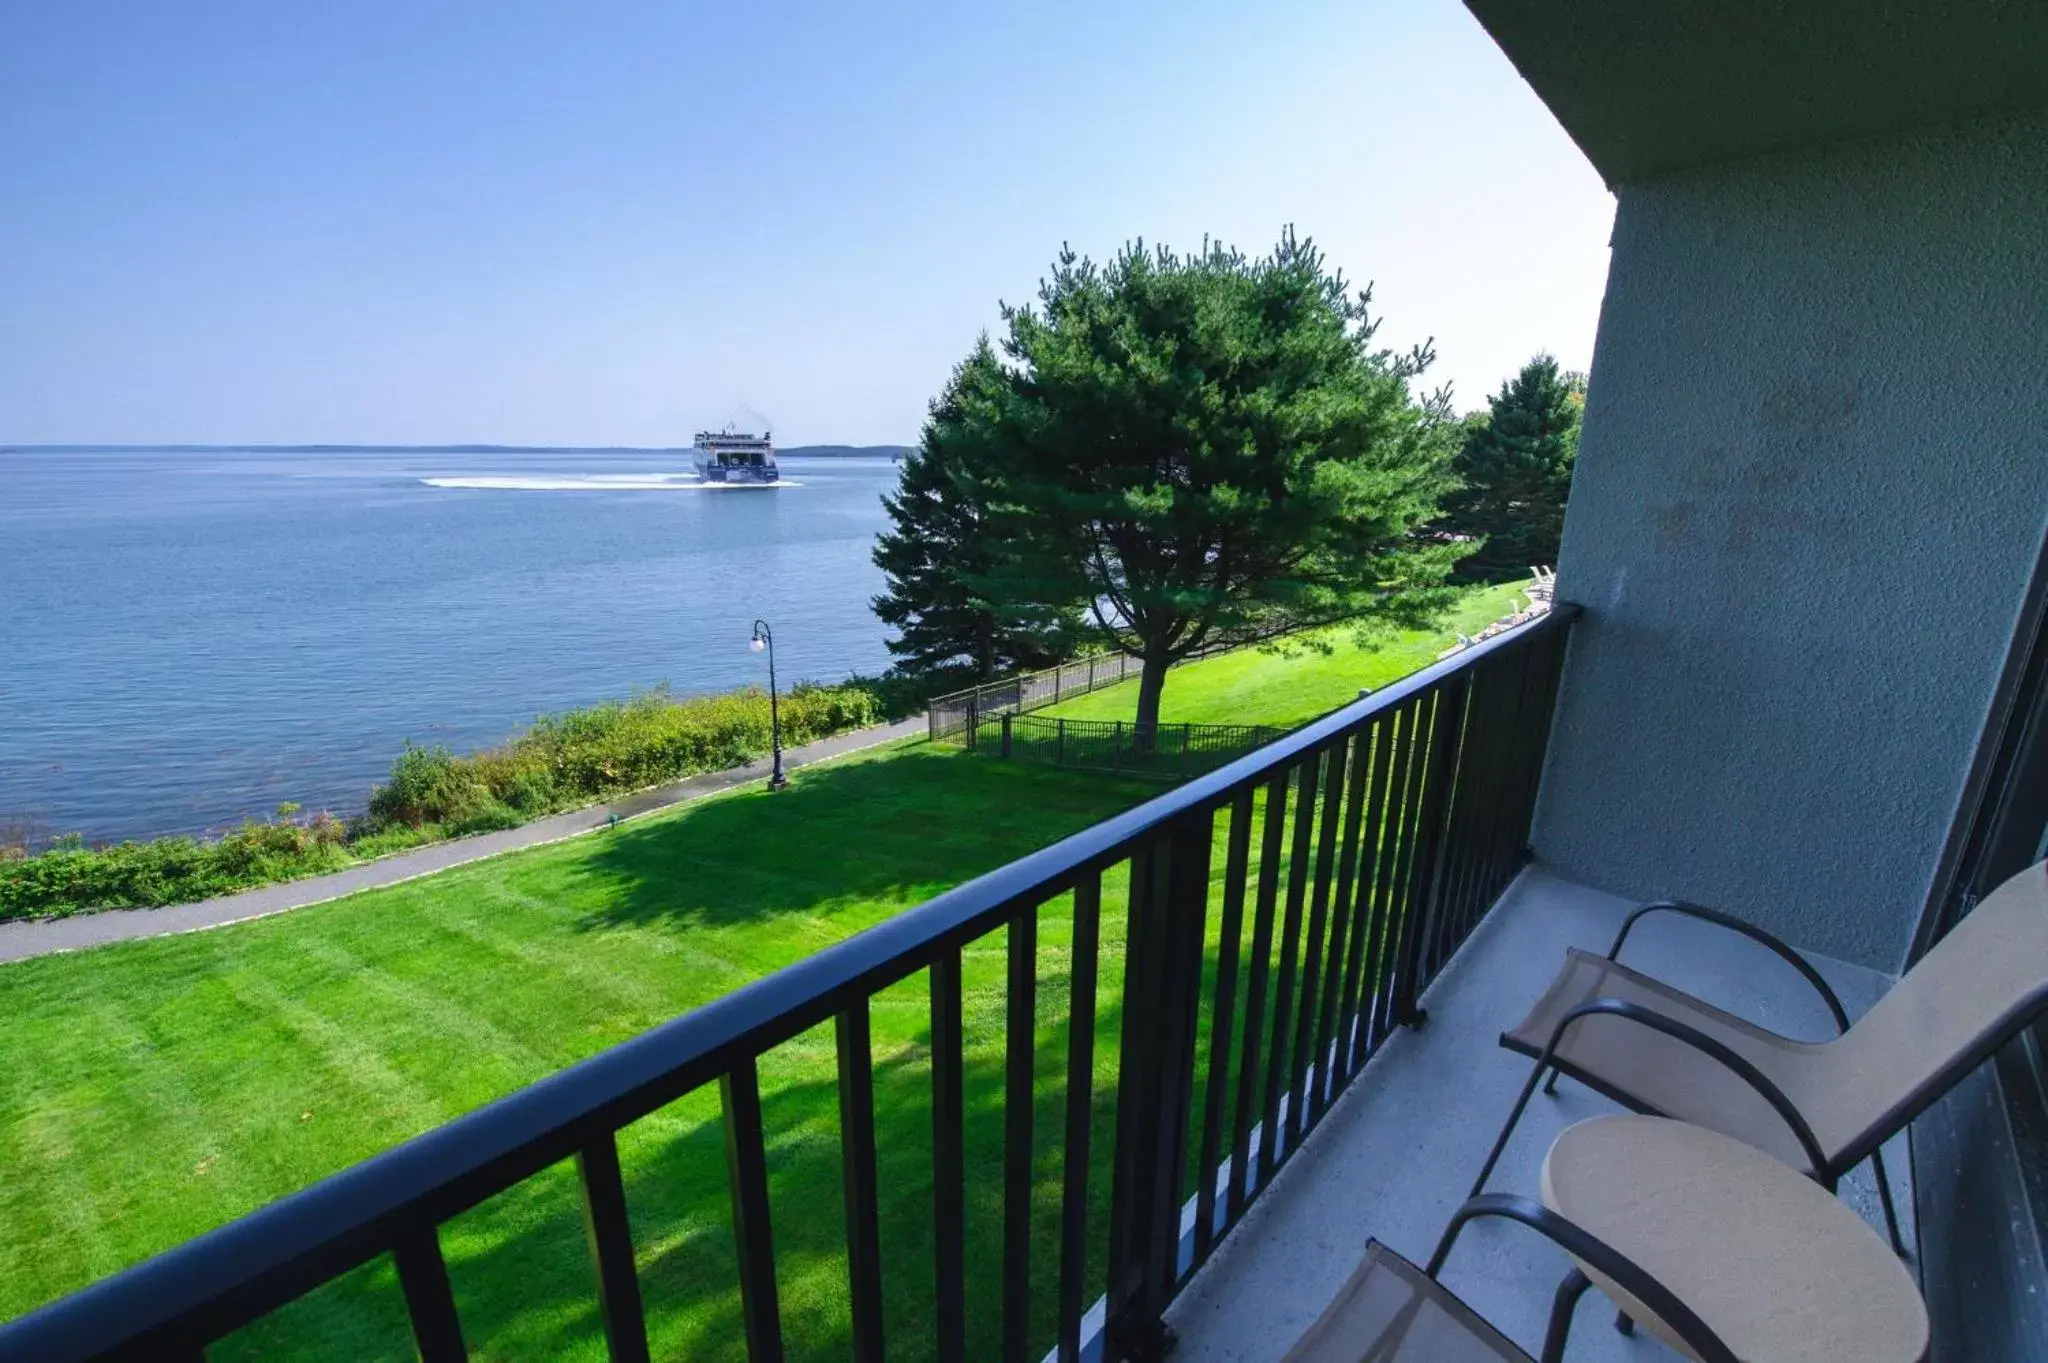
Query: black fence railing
x=1356, y=854
x=950, y=715
x=1171, y=751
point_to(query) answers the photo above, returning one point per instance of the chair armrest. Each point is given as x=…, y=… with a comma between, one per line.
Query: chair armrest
x=1714, y=1050
x=1749, y=930
x=1595, y=1254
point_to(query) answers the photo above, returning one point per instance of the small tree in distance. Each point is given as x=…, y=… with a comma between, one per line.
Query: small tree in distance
x=939, y=547
x=1516, y=468
x=1208, y=450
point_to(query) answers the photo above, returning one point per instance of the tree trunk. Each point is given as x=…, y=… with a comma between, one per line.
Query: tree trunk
x=1151, y=686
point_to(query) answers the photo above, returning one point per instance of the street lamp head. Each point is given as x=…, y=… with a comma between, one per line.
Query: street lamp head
x=757, y=643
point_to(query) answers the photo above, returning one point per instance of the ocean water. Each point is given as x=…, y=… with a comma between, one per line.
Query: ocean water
x=188, y=637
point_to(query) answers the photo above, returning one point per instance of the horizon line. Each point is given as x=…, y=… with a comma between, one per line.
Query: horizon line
x=464, y=448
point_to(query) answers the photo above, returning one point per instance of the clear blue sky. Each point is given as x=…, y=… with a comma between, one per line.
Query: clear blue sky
x=400, y=221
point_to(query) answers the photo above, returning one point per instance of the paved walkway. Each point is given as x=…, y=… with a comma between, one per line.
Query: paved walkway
x=19, y=941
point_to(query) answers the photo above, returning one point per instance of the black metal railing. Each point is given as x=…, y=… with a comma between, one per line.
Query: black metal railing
x=950, y=715
x=1356, y=854
x=1169, y=751
x=947, y=716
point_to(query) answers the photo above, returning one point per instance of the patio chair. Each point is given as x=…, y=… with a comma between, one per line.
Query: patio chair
x=1716, y=1248
x=1821, y=1107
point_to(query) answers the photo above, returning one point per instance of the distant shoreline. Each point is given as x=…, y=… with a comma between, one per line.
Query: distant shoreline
x=791, y=452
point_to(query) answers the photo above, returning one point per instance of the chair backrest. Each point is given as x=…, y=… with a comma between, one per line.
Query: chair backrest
x=1979, y=985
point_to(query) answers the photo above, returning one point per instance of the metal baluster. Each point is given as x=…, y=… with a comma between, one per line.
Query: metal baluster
x=949, y=1164
x=1270, y=1153
x=851, y=1030
x=1222, y=1019
x=746, y=1164
x=1343, y=967
x=1413, y=895
x=1392, y=909
x=1362, y=1037
x=610, y=1237
x=1255, y=993
x=1080, y=1113
x=429, y=1300
x=1020, y=1045
x=1309, y=1064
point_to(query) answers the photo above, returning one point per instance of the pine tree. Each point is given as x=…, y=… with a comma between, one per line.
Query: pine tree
x=1516, y=464
x=939, y=549
x=1208, y=450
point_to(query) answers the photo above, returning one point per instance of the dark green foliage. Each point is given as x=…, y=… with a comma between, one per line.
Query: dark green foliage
x=939, y=550
x=562, y=761
x=1516, y=465
x=570, y=759
x=426, y=786
x=899, y=694
x=70, y=877
x=1207, y=449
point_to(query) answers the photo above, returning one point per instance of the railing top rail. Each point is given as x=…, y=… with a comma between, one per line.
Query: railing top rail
x=240, y=1271
x=1010, y=683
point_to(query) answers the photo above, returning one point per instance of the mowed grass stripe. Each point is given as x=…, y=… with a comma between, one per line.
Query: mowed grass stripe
x=1299, y=682
x=382, y=1014
x=387, y=1013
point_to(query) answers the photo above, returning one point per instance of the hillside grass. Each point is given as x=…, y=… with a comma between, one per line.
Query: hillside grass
x=158, y=1088
x=1298, y=681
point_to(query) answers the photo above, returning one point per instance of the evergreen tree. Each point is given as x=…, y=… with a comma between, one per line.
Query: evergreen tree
x=939, y=547
x=1205, y=449
x=1516, y=465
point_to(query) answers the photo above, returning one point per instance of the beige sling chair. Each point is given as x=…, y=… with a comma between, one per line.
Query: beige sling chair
x=1821, y=1107
x=1716, y=1248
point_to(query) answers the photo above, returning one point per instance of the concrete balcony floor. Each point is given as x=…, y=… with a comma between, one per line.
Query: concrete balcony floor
x=1395, y=1157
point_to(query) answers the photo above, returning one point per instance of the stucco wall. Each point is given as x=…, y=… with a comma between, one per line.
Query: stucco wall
x=1813, y=479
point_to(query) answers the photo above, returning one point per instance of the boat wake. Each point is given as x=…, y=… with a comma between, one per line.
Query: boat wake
x=600, y=482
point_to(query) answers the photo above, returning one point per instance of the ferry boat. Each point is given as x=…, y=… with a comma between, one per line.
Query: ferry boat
x=730, y=456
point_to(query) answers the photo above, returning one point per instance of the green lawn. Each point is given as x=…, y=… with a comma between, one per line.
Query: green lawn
x=155, y=1089
x=1286, y=688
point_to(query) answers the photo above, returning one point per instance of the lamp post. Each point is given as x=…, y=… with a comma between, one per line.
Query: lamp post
x=764, y=639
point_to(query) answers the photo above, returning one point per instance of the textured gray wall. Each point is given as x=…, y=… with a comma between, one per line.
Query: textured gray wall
x=1813, y=479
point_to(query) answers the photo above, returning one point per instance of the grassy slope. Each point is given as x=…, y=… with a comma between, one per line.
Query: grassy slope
x=155, y=1089
x=1253, y=686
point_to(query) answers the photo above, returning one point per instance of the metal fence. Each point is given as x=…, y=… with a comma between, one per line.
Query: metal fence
x=1174, y=751
x=1358, y=852
x=949, y=716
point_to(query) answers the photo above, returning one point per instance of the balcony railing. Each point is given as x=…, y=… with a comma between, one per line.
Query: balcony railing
x=1363, y=849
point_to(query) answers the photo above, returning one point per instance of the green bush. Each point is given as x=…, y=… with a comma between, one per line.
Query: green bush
x=426, y=786
x=899, y=695
x=560, y=762
x=70, y=877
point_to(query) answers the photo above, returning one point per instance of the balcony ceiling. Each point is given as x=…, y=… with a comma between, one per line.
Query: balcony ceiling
x=1646, y=88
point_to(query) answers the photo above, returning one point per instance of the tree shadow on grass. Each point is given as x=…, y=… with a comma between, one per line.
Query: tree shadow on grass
x=860, y=839
x=522, y=1276
x=864, y=832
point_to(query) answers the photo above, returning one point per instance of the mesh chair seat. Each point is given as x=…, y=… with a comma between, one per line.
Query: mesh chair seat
x=1658, y=1074
x=1390, y=1311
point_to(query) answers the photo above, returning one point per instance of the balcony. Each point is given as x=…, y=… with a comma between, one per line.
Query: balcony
x=1231, y=1093
x=1398, y=1153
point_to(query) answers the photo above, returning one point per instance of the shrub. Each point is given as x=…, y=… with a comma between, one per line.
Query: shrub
x=900, y=695
x=70, y=877
x=486, y=815
x=559, y=762
x=427, y=785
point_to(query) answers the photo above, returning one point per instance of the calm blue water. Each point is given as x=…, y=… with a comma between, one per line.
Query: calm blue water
x=188, y=637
